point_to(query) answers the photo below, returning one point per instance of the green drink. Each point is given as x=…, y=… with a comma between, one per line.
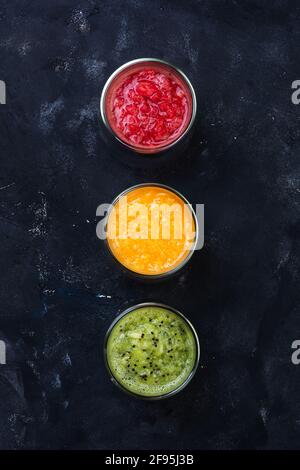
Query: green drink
x=152, y=351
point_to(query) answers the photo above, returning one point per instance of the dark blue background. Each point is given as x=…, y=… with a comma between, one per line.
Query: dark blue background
x=241, y=291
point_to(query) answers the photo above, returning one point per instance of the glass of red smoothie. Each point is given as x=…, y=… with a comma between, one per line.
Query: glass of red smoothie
x=148, y=106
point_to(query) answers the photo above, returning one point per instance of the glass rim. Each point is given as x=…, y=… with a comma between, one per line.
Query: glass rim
x=189, y=377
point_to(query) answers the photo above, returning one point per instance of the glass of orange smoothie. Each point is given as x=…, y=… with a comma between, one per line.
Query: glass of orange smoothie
x=151, y=231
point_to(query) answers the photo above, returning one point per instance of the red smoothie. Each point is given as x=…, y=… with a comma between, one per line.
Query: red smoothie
x=148, y=106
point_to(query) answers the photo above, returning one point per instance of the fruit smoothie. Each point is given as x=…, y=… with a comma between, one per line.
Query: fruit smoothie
x=151, y=230
x=149, y=106
x=151, y=351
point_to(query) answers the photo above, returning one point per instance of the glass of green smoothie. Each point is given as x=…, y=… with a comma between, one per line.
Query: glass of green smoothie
x=151, y=351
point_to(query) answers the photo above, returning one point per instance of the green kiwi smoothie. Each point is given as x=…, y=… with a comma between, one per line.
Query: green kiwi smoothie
x=151, y=351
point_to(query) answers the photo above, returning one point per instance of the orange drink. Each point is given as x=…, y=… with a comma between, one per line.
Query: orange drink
x=151, y=230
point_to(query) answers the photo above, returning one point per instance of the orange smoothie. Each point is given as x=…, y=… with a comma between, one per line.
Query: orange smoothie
x=151, y=230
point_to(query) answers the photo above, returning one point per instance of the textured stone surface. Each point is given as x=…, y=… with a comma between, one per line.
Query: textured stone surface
x=59, y=291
